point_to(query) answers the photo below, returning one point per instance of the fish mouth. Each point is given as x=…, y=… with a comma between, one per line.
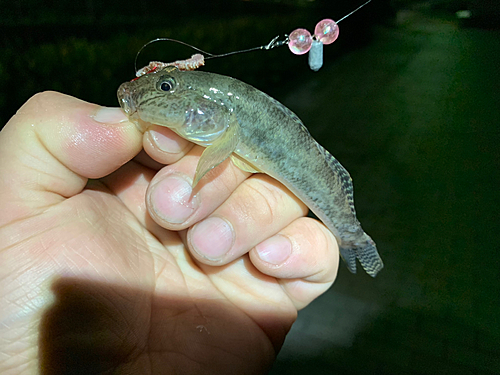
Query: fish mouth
x=125, y=99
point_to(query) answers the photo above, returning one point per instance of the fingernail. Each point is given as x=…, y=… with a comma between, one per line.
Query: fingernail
x=172, y=199
x=275, y=250
x=212, y=238
x=110, y=115
x=165, y=143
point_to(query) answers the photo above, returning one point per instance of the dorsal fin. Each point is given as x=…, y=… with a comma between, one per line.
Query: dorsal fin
x=343, y=175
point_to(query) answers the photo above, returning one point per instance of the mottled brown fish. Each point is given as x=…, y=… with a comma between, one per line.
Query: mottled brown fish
x=230, y=117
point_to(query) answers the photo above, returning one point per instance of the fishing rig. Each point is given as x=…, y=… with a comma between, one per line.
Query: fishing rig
x=299, y=41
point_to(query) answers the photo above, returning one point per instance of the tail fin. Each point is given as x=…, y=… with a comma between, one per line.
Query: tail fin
x=368, y=257
x=349, y=257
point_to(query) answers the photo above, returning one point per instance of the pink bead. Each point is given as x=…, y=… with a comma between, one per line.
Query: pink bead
x=326, y=31
x=300, y=41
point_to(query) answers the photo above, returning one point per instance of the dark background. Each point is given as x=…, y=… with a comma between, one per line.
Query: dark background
x=87, y=48
x=407, y=100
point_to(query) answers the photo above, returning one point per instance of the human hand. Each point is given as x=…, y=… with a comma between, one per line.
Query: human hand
x=109, y=263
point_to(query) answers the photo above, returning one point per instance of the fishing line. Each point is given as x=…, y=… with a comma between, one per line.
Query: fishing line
x=300, y=41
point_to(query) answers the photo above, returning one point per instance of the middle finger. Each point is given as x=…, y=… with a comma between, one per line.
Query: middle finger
x=259, y=208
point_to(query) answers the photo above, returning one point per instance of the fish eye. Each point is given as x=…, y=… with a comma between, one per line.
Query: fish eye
x=166, y=84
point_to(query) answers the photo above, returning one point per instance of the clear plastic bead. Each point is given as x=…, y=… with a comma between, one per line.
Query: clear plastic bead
x=300, y=41
x=326, y=31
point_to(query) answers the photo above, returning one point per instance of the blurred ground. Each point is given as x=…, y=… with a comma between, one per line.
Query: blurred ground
x=414, y=117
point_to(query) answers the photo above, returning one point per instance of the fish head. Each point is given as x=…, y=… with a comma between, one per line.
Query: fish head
x=167, y=98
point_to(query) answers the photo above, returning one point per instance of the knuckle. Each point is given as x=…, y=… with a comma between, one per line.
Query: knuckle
x=317, y=237
x=318, y=251
x=44, y=97
x=37, y=101
x=262, y=202
x=231, y=178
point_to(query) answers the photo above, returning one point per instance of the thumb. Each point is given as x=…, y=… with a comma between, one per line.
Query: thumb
x=53, y=144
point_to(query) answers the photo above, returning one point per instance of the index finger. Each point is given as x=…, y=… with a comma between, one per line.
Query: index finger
x=53, y=144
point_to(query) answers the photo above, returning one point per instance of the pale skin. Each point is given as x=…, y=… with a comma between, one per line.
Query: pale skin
x=131, y=271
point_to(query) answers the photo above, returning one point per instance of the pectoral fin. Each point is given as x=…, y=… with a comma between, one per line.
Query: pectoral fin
x=244, y=165
x=218, y=151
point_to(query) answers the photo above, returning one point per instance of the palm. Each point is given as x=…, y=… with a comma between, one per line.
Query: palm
x=119, y=263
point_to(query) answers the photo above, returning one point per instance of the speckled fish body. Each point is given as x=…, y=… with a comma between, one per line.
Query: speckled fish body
x=230, y=117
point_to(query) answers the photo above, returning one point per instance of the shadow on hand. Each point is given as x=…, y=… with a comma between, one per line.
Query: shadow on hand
x=95, y=328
